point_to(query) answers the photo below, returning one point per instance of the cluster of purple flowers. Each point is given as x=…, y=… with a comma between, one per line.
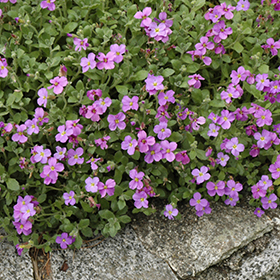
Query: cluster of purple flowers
x=105, y=61
x=23, y=211
x=94, y=185
x=159, y=28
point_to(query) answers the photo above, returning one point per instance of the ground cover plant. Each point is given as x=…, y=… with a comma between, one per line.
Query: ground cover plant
x=105, y=104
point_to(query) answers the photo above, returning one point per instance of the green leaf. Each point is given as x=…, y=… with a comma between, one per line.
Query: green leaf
x=238, y=47
x=78, y=241
x=198, y=4
x=140, y=75
x=264, y=69
x=124, y=219
x=121, y=204
x=176, y=137
x=122, y=90
x=69, y=27
x=42, y=197
x=167, y=72
x=83, y=223
x=106, y=214
x=13, y=184
x=87, y=232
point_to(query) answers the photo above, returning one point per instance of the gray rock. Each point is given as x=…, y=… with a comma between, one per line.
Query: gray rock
x=122, y=257
x=191, y=247
x=13, y=266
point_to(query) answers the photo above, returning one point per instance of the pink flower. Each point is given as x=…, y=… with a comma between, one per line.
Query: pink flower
x=92, y=184
x=129, y=144
x=154, y=83
x=63, y=134
x=108, y=187
x=80, y=44
x=32, y=126
x=140, y=200
x=43, y=94
x=162, y=131
x=216, y=188
x=49, y=4
x=19, y=136
x=198, y=202
x=182, y=157
x=69, y=198
x=153, y=153
x=106, y=61
x=144, y=16
x=163, y=98
x=89, y=62
x=195, y=80
x=74, y=156
x=118, y=51
x=170, y=212
x=144, y=142
x=130, y=103
x=58, y=84
x=167, y=150
x=234, y=147
x=116, y=121
x=102, y=142
x=64, y=240
x=201, y=175
x=136, y=177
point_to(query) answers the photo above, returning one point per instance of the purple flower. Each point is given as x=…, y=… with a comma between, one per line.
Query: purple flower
x=263, y=117
x=130, y=103
x=64, y=240
x=136, y=177
x=262, y=81
x=226, y=119
x=265, y=182
x=234, y=147
x=74, y=156
x=153, y=153
x=221, y=31
x=25, y=228
x=140, y=200
x=218, y=188
x=116, y=121
x=63, y=134
x=195, y=80
x=170, y=212
x=243, y=5
x=42, y=155
x=182, y=157
x=206, y=210
x=269, y=202
x=233, y=188
x=80, y=44
x=43, y=94
x=144, y=16
x=226, y=10
x=145, y=142
x=40, y=116
x=154, y=83
x=118, y=51
x=94, y=94
x=32, y=126
x=69, y=198
x=19, y=136
x=238, y=76
x=92, y=184
x=89, y=62
x=103, y=104
x=19, y=249
x=201, y=175
x=93, y=164
x=273, y=46
x=258, y=212
x=27, y=210
x=198, y=202
x=106, y=61
x=49, y=4
x=163, y=98
x=255, y=150
x=3, y=70
x=222, y=159
x=275, y=169
x=231, y=200
x=73, y=124
x=258, y=191
x=108, y=187
x=213, y=130
x=162, y=131
x=167, y=150
x=263, y=138
x=157, y=31
x=129, y=144
x=58, y=84
x=102, y=142
x=204, y=45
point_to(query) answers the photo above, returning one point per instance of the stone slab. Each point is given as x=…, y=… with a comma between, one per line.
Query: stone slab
x=13, y=266
x=193, y=244
x=122, y=257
